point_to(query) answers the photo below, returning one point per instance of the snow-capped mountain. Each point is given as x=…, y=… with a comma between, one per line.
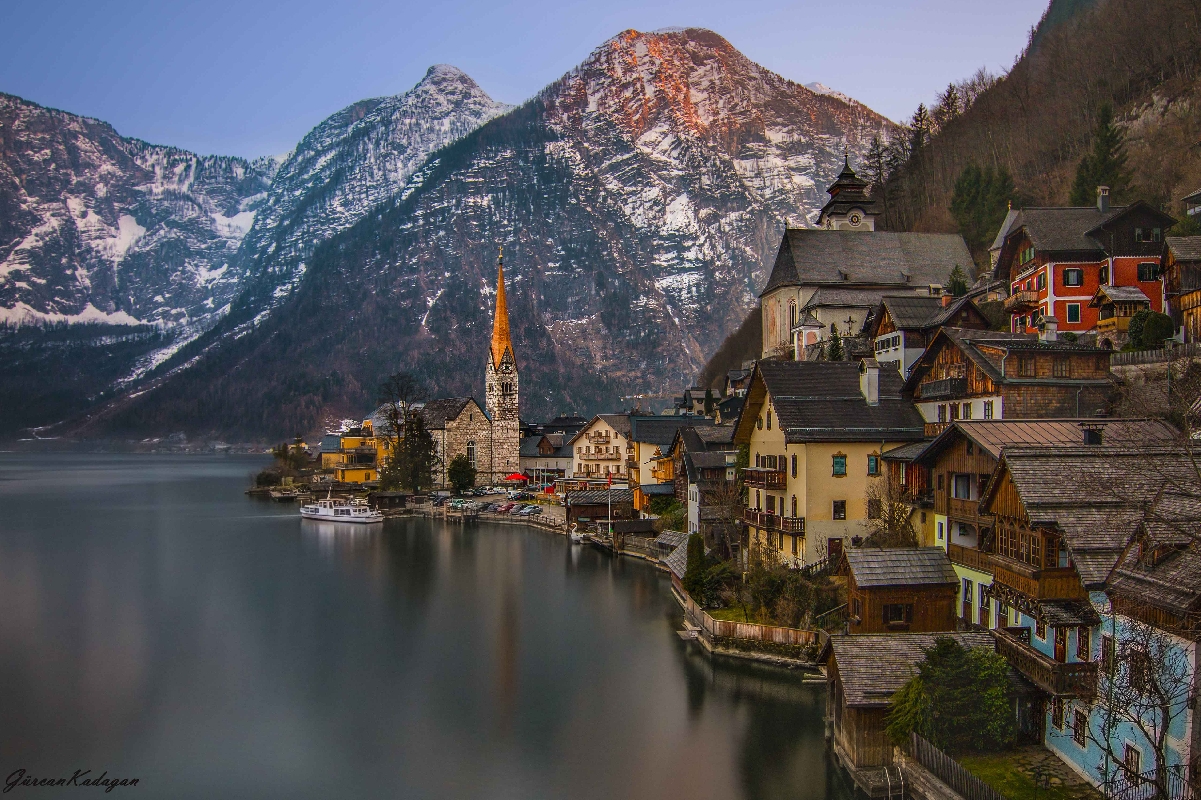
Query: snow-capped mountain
x=96, y=227
x=351, y=162
x=639, y=199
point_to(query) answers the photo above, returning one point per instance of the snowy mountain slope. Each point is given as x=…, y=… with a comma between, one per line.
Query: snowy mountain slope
x=96, y=227
x=639, y=199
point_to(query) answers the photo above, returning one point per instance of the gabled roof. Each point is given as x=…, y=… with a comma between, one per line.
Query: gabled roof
x=821, y=401
x=618, y=422
x=1119, y=294
x=874, y=567
x=1098, y=496
x=1006, y=226
x=866, y=258
x=1171, y=581
x=918, y=312
x=677, y=562
x=874, y=666
x=991, y=435
x=662, y=430
x=593, y=497
x=1075, y=229
x=1184, y=248
x=436, y=413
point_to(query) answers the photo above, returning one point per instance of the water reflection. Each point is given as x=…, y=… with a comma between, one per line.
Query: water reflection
x=157, y=623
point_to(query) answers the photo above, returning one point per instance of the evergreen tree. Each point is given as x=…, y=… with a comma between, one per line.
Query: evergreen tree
x=919, y=129
x=834, y=344
x=1105, y=164
x=460, y=473
x=694, y=573
x=875, y=168
x=709, y=402
x=979, y=204
x=957, y=282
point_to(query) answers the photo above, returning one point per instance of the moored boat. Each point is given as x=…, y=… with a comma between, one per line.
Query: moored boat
x=337, y=510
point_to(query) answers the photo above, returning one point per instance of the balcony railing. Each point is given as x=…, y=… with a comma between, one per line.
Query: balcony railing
x=966, y=511
x=761, y=478
x=1021, y=301
x=969, y=557
x=600, y=456
x=1056, y=583
x=794, y=525
x=1078, y=679
x=947, y=387
x=761, y=519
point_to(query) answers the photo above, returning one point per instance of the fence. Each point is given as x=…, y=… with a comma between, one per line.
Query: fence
x=1174, y=786
x=1190, y=350
x=748, y=630
x=951, y=772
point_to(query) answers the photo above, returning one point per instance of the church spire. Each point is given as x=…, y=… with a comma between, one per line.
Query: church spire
x=501, y=341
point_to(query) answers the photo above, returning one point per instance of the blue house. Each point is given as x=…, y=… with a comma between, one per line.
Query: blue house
x=1096, y=578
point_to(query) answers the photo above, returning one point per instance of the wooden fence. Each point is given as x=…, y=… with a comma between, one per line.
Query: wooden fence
x=1190, y=350
x=748, y=630
x=950, y=771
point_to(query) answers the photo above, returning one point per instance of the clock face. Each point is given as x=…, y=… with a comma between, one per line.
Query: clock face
x=856, y=219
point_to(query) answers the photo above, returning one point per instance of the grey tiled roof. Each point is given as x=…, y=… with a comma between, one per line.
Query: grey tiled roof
x=1068, y=613
x=600, y=497
x=907, y=452
x=911, y=310
x=900, y=566
x=662, y=430
x=992, y=435
x=969, y=341
x=1124, y=293
x=672, y=539
x=657, y=489
x=1185, y=248
x=436, y=413
x=1173, y=583
x=875, y=258
x=821, y=401
x=1064, y=228
x=677, y=562
x=873, y=666
x=1006, y=227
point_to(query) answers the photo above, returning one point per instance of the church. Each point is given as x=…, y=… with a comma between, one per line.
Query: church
x=832, y=277
x=490, y=437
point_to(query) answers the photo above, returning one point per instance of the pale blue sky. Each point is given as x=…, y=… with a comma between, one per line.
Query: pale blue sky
x=251, y=77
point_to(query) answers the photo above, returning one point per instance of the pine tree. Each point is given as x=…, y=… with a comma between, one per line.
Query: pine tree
x=834, y=344
x=957, y=282
x=979, y=203
x=919, y=129
x=875, y=168
x=1104, y=165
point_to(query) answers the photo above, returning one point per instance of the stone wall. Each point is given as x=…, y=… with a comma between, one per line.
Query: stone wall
x=472, y=425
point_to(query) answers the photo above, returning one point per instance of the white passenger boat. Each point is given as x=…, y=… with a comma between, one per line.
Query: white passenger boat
x=331, y=510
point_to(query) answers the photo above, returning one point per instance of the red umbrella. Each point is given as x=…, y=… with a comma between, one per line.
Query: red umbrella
x=517, y=476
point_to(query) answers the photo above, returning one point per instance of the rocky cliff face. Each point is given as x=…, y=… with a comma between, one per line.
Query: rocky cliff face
x=639, y=199
x=96, y=227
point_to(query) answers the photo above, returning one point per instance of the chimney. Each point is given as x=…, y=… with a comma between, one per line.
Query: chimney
x=1048, y=329
x=869, y=381
x=1092, y=432
x=947, y=299
x=1103, y=199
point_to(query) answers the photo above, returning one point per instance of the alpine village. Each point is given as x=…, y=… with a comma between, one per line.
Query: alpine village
x=954, y=477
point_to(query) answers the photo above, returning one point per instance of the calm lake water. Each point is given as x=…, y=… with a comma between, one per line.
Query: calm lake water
x=158, y=624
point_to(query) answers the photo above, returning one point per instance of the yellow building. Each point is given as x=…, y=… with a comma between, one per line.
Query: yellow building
x=816, y=431
x=359, y=456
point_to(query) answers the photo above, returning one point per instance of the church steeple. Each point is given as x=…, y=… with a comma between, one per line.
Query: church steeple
x=501, y=341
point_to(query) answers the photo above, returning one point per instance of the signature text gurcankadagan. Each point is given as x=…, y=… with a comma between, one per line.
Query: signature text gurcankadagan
x=20, y=779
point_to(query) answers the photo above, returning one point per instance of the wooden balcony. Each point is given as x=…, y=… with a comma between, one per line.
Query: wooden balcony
x=1019, y=302
x=793, y=525
x=967, y=511
x=760, y=478
x=1057, y=583
x=1060, y=679
x=947, y=387
x=761, y=519
x=600, y=456
x=970, y=557
x=932, y=429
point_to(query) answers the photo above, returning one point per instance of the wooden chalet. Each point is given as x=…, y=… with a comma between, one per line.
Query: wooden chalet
x=862, y=675
x=899, y=589
x=595, y=505
x=1116, y=306
x=1182, y=284
x=976, y=374
x=902, y=326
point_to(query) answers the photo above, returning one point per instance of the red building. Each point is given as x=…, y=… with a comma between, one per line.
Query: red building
x=1055, y=260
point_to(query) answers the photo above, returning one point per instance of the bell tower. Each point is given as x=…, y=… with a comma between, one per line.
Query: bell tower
x=501, y=388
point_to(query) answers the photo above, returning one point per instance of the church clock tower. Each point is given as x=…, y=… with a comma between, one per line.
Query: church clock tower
x=500, y=381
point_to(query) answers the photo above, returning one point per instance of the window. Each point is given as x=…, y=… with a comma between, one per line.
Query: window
x=840, y=509
x=1107, y=652
x=940, y=531
x=794, y=505
x=856, y=608
x=940, y=481
x=1148, y=271
x=771, y=504
x=1103, y=275
x=966, y=411
x=1141, y=670
x=794, y=465
x=781, y=548
x=1041, y=282
x=1080, y=728
x=1057, y=713
x=1026, y=366
x=874, y=508
x=942, y=413
x=471, y=453
x=1061, y=368
x=954, y=411
x=961, y=487
x=873, y=465
x=1073, y=312
x=988, y=409
x=1148, y=235
x=794, y=538
x=1084, y=650
x=1040, y=630
x=898, y=613
x=769, y=419
x=792, y=313
x=1132, y=760
x=1026, y=255
x=840, y=466
x=759, y=423
x=1073, y=277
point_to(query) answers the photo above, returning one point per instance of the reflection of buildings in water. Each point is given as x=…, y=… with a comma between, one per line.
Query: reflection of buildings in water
x=508, y=658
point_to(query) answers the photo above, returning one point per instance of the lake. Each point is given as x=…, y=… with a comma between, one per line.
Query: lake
x=157, y=624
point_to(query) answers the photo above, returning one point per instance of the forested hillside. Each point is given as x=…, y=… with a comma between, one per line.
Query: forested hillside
x=1036, y=123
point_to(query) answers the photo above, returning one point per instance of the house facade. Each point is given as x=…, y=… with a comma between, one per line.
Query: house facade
x=1182, y=284
x=815, y=432
x=1055, y=260
x=602, y=450
x=546, y=457
x=902, y=326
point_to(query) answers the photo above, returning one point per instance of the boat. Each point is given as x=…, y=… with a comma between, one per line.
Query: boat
x=336, y=510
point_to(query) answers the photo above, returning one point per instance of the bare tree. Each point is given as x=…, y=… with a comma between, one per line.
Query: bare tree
x=889, y=520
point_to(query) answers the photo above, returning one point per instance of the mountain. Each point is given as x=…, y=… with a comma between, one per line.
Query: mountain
x=97, y=227
x=150, y=245
x=639, y=199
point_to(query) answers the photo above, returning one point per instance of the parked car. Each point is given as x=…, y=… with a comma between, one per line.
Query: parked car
x=505, y=508
x=516, y=509
x=530, y=511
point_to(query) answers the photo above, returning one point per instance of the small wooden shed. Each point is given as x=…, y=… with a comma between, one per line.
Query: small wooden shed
x=899, y=589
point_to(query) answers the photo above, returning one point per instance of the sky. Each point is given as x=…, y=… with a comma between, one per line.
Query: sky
x=251, y=77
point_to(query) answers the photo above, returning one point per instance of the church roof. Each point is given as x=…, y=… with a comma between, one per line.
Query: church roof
x=501, y=340
x=866, y=258
x=436, y=413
